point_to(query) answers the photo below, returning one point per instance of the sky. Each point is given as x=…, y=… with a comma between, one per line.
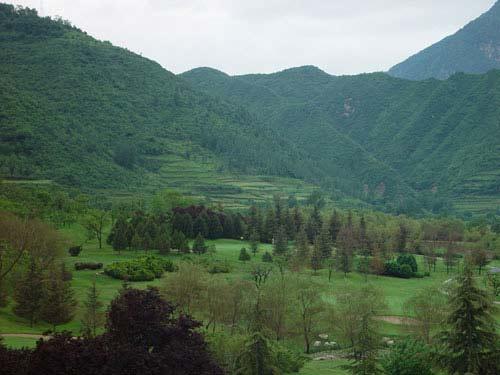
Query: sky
x=263, y=36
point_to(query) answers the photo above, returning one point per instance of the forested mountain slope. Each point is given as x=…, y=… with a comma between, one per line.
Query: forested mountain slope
x=473, y=49
x=441, y=137
x=85, y=113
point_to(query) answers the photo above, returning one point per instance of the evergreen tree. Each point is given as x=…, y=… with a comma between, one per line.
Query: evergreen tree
x=267, y=258
x=280, y=242
x=162, y=242
x=58, y=303
x=316, y=258
x=269, y=227
x=147, y=242
x=215, y=229
x=314, y=224
x=28, y=293
x=334, y=225
x=199, y=246
x=244, y=256
x=200, y=225
x=254, y=242
x=228, y=226
x=93, y=317
x=345, y=247
x=298, y=221
x=238, y=227
x=402, y=237
x=365, y=349
x=470, y=343
x=136, y=242
x=302, y=251
x=119, y=240
x=323, y=242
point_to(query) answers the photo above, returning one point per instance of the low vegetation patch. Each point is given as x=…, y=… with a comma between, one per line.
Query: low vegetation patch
x=145, y=268
x=87, y=266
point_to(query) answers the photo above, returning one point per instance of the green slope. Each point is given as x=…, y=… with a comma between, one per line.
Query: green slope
x=440, y=137
x=84, y=113
x=473, y=49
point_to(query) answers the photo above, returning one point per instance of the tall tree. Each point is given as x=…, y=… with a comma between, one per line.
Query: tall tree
x=345, y=247
x=200, y=225
x=470, y=345
x=93, y=316
x=280, y=242
x=314, y=224
x=118, y=236
x=28, y=293
x=94, y=222
x=324, y=243
x=334, y=225
x=58, y=303
x=199, y=246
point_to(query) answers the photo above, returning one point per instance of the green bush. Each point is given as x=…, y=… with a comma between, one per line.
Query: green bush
x=408, y=358
x=140, y=269
x=219, y=267
x=266, y=257
x=244, y=256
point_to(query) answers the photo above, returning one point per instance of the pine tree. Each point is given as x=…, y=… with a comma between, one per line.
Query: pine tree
x=345, y=247
x=334, y=226
x=269, y=227
x=58, y=303
x=280, y=242
x=402, y=237
x=228, y=226
x=28, y=293
x=470, y=343
x=199, y=246
x=244, y=256
x=136, y=242
x=254, y=242
x=323, y=242
x=316, y=258
x=119, y=239
x=314, y=224
x=302, y=251
x=93, y=317
x=162, y=242
x=214, y=227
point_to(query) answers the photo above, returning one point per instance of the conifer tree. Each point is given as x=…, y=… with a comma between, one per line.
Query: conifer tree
x=471, y=342
x=119, y=240
x=199, y=246
x=280, y=242
x=314, y=224
x=215, y=229
x=28, y=293
x=162, y=242
x=136, y=242
x=334, y=225
x=302, y=251
x=316, y=258
x=200, y=225
x=93, y=317
x=58, y=303
x=254, y=242
x=323, y=242
x=345, y=247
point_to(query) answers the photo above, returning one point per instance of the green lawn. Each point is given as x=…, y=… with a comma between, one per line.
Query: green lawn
x=324, y=368
x=396, y=291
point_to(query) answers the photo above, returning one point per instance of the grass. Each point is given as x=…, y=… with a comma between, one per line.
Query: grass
x=19, y=342
x=324, y=368
x=396, y=291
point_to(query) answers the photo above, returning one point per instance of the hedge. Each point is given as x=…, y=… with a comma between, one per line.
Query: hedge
x=140, y=269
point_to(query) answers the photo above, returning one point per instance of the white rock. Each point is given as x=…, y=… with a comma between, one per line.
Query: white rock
x=317, y=343
x=323, y=336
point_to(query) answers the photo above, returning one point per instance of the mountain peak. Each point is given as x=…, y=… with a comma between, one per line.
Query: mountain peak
x=473, y=49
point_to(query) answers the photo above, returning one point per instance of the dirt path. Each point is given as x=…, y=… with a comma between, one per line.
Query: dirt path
x=398, y=320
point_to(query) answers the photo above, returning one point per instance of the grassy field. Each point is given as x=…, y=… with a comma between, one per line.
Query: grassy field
x=396, y=291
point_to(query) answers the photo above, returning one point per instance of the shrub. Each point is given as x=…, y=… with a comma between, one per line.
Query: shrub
x=244, y=256
x=266, y=257
x=219, y=267
x=74, y=251
x=405, y=271
x=408, y=358
x=87, y=266
x=409, y=260
x=404, y=267
x=140, y=269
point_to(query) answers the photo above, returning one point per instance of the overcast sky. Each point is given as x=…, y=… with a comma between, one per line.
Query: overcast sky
x=251, y=36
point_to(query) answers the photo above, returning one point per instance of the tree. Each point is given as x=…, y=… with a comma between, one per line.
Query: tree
x=186, y=287
x=180, y=242
x=408, y=357
x=334, y=226
x=267, y=258
x=301, y=253
x=402, y=237
x=316, y=258
x=323, y=242
x=309, y=308
x=200, y=225
x=280, y=242
x=162, y=242
x=28, y=293
x=93, y=317
x=215, y=229
x=254, y=242
x=449, y=258
x=480, y=259
x=244, y=256
x=125, y=155
x=314, y=224
x=470, y=344
x=429, y=309
x=58, y=303
x=199, y=246
x=94, y=222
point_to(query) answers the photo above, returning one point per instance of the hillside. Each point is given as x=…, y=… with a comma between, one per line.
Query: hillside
x=129, y=121
x=473, y=49
x=441, y=137
x=84, y=113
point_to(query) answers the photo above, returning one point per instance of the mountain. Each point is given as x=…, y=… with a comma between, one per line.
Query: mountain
x=84, y=113
x=473, y=49
x=439, y=137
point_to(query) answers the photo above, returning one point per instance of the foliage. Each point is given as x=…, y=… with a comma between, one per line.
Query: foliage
x=267, y=257
x=408, y=357
x=79, y=266
x=74, y=251
x=140, y=269
x=244, y=255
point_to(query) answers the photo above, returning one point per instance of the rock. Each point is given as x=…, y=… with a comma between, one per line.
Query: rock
x=317, y=343
x=323, y=336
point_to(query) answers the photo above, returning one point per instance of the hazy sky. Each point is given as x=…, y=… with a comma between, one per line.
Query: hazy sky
x=249, y=36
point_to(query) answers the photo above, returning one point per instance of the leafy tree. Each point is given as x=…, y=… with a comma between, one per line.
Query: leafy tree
x=58, y=303
x=94, y=222
x=310, y=306
x=186, y=287
x=93, y=317
x=470, y=344
x=28, y=293
x=199, y=246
